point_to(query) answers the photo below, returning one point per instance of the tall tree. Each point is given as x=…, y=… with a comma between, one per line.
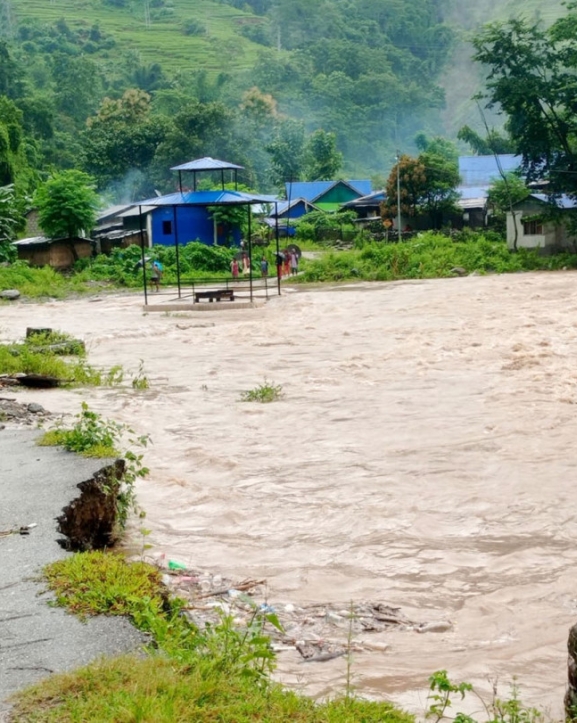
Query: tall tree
x=427, y=186
x=287, y=152
x=67, y=204
x=323, y=160
x=531, y=77
x=123, y=138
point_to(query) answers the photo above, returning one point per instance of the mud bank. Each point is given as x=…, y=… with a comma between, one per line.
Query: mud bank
x=421, y=456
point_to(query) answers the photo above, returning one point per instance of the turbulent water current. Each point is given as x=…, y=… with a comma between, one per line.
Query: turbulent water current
x=422, y=455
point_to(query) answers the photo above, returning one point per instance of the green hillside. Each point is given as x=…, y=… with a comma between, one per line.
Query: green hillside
x=163, y=41
x=463, y=79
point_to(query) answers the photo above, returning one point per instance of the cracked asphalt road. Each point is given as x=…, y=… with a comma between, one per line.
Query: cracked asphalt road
x=35, y=638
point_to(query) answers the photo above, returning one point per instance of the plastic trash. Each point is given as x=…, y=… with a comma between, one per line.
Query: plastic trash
x=172, y=565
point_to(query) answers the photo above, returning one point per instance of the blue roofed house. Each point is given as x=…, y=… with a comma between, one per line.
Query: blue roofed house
x=367, y=208
x=186, y=215
x=328, y=195
x=477, y=174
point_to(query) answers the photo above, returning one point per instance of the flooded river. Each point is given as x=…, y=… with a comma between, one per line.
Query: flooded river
x=422, y=455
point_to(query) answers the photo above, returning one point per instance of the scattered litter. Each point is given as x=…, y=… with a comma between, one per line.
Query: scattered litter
x=23, y=530
x=316, y=633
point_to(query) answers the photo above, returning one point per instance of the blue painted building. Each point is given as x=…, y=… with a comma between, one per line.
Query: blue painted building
x=190, y=223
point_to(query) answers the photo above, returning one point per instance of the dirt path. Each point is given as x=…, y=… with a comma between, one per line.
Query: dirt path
x=422, y=456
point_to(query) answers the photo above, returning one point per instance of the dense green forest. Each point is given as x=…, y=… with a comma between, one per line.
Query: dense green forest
x=123, y=89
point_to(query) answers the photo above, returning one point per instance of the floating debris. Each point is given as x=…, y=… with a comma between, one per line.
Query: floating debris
x=317, y=632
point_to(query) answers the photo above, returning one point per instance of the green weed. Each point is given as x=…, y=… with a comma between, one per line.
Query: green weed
x=94, y=436
x=102, y=583
x=443, y=693
x=140, y=380
x=263, y=393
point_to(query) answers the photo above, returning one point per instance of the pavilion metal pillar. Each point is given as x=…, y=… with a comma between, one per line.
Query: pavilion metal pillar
x=143, y=257
x=180, y=180
x=276, y=234
x=174, y=216
x=249, y=251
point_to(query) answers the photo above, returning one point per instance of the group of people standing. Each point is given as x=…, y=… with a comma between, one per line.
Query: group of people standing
x=287, y=263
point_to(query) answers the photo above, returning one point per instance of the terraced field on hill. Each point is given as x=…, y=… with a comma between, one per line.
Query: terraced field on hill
x=164, y=41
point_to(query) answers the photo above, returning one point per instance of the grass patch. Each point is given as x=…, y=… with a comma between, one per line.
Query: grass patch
x=43, y=282
x=159, y=690
x=263, y=393
x=102, y=583
x=43, y=353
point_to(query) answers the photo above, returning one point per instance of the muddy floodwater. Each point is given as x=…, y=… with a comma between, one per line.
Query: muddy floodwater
x=423, y=455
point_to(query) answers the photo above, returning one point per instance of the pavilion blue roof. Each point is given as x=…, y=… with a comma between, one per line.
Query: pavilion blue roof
x=206, y=164
x=208, y=198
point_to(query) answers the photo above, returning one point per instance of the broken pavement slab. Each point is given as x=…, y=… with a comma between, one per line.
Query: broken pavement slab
x=36, y=484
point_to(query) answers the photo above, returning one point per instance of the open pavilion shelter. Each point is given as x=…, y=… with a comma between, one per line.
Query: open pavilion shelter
x=194, y=199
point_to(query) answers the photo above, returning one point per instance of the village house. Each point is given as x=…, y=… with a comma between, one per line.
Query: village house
x=59, y=253
x=477, y=173
x=541, y=222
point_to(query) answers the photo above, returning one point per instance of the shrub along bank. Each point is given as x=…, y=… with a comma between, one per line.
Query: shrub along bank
x=428, y=256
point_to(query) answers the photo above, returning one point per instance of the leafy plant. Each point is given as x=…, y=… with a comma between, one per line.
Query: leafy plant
x=93, y=436
x=140, y=380
x=264, y=393
x=443, y=692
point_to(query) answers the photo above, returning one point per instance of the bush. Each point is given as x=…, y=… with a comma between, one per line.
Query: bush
x=193, y=27
x=427, y=256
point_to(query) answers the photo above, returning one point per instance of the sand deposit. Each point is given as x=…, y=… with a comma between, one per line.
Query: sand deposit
x=421, y=457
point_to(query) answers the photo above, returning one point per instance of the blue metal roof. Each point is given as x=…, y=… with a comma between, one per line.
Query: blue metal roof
x=311, y=190
x=283, y=206
x=473, y=191
x=563, y=201
x=483, y=170
x=206, y=164
x=207, y=198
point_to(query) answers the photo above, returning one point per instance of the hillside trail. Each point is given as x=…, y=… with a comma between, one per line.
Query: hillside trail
x=422, y=456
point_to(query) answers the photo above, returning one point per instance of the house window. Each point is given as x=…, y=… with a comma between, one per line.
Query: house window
x=533, y=228
x=167, y=228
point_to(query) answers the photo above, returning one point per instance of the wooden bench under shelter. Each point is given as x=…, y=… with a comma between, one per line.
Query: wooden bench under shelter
x=214, y=295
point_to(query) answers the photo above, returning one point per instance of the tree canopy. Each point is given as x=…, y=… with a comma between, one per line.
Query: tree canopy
x=67, y=204
x=427, y=186
x=531, y=78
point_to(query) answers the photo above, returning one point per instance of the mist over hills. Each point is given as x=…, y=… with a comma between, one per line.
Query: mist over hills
x=374, y=72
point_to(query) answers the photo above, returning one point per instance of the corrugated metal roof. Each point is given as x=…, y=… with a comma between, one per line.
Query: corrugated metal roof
x=38, y=240
x=206, y=164
x=112, y=211
x=482, y=170
x=283, y=206
x=135, y=211
x=370, y=200
x=208, y=198
x=466, y=203
x=311, y=190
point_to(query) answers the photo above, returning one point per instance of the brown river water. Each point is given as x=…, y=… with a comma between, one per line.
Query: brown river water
x=422, y=455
